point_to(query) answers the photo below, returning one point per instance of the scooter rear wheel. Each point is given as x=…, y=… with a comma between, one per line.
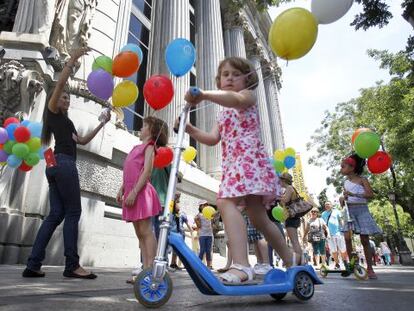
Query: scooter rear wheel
x=149, y=294
x=323, y=271
x=278, y=296
x=304, y=287
x=360, y=273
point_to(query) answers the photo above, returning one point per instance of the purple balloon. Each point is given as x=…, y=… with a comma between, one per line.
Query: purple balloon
x=100, y=83
x=3, y=156
x=3, y=136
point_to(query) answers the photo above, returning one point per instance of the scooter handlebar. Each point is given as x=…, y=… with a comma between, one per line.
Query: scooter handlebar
x=195, y=91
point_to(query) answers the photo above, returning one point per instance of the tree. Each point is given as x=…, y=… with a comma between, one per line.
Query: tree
x=322, y=198
x=388, y=109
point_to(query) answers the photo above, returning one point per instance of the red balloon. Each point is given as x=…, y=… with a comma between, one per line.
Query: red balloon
x=22, y=134
x=24, y=167
x=125, y=64
x=10, y=121
x=379, y=163
x=158, y=91
x=359, y=131
x=163, y=157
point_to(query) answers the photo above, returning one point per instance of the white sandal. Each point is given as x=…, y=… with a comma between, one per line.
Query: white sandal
x=229, y=278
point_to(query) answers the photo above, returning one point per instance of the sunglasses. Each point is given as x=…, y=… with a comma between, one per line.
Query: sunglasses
x=314, y=212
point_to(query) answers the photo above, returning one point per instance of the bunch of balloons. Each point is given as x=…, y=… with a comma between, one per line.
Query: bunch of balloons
x=208, y=212
x=366, y=145
x=20, y=145
x=294, y=32
x=284, y=159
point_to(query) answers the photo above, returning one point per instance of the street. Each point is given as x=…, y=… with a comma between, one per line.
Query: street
x=394, y=290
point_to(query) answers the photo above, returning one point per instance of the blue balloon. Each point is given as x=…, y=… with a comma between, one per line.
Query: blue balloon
x=134, y=48
x=35, y=129
x=25, y=123
x=10, y=130
x=289, y=162
x=180, y=56
x=41, y=153
x=13, y=161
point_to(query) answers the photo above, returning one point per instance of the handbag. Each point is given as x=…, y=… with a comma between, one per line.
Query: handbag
x=298, y=207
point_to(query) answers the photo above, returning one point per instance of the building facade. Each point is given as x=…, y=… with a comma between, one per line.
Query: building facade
x=298, y=178
x=35, y=50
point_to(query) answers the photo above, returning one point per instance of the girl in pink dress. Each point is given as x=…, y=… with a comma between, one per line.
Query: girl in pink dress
x=139, y=198
x=247, y=175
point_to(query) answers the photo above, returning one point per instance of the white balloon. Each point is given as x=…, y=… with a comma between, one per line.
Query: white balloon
x=329, y=11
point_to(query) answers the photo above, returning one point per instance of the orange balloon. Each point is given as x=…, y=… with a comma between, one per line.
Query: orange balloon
x=125, y=64
x=359, y=131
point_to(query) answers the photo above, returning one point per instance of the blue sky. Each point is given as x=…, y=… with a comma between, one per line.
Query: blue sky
x=334, y=71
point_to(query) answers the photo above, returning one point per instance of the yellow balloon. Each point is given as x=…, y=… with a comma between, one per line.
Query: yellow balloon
x=290, y=152
x=293, y=33
x=208, y=212
x=124, y=94
x=279, y=155
x=189, y=154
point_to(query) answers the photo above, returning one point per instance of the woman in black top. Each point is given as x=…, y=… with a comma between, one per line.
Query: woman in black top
x=64, y=189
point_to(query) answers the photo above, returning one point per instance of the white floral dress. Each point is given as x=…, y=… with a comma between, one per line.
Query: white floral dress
x=245, y=164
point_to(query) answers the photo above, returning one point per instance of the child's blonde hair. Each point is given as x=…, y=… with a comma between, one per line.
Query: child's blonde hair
x=158, y=129
x=245, y=68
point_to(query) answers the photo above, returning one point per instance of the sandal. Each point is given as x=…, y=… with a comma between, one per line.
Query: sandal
x=222, y=270
x=229, y=278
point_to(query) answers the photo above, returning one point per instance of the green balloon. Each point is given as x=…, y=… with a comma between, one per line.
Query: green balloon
x=34, y=144
x=32, y=159
x=279, y=166
x=367, y=144
x=20, y=150
x=279, y=214
x=8, y=146
x=103, y=62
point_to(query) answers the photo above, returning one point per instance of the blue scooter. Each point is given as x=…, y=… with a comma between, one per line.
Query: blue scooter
x=153, y=286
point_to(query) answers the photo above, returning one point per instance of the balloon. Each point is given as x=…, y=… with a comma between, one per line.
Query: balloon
x=10, y=130
x=25, y=123
x=100, y=84
x=329, y=11
x=158, y=91
x=279, y=166
x=125, y=64
x=180, y=56
x=3, y=156
x=10, y=121
x=24, y=167
x=208, y=212
x=8, y=146
x=1, y=147
x=279, y=155
x=35, y=129
x=163, y=157
x=289, y=162
x=290, y=152
x=379, y=163
x=279, y=214
x=41, y=153
x=189, y=154
x=293, y=33
x=22, y=134
x=4, y=136
x=124, y=94
x=34, y=144
x=367, y=144
x=32, y=159
x=359, y=131
x=20, y=150
x=134, y=48
x=13, y=161
x=103, y=62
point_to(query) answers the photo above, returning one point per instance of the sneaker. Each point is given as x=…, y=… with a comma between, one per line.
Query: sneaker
x=372, y=275
x=337, y=267
x=262, y=268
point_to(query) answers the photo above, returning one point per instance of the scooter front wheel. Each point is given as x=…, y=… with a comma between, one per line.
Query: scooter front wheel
x=323, y=271
x=304, y=287
x=360, y=273
x=149, y=293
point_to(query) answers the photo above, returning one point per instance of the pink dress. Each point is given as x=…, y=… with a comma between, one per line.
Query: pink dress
x=147, y=203
x=245, y=164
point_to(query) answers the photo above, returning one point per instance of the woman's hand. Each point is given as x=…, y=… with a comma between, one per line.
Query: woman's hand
x=78, y=53
x=120, y=195
x=193, y=100
x=130, y=200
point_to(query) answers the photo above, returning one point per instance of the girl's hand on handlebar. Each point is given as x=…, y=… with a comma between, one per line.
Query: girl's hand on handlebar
x=193, y=100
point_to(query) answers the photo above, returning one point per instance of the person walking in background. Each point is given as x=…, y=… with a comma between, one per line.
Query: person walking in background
x=386, y=253
x=205, y=235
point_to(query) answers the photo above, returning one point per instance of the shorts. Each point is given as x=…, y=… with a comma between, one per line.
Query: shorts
x=253, y=235
x=336, y=243
x=319, y=248
x=361, y=221
x=293, y=222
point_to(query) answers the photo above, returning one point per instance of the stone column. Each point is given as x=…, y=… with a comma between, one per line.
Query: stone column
x=254, y=53
x=234, y=25
x=273, y=105
x=173, y=21
x=210, y=52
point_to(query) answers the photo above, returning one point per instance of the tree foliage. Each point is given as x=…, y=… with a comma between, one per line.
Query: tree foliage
x=322, y=199
x=388, y=109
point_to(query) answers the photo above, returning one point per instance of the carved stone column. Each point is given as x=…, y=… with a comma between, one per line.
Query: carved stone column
x=255, y=54
x=234, y=24
x=275, y=120
x=210, y=52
